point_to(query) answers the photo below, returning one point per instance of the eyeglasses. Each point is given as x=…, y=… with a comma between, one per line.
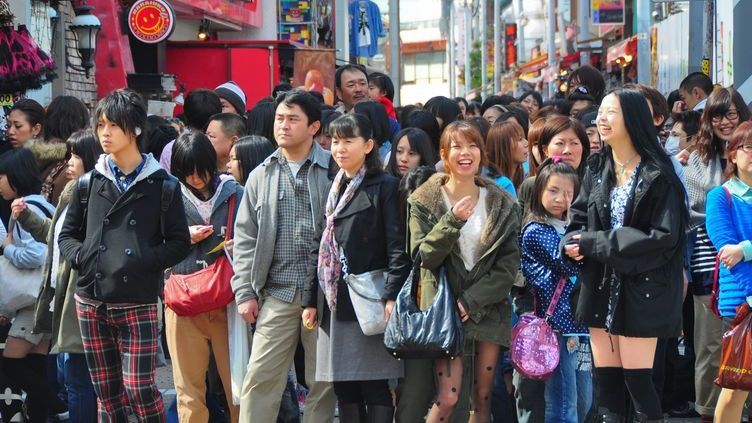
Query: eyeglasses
x=730, y=115
x=747, y=148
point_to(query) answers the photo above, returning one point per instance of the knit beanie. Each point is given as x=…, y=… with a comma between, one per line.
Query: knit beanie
x=232, y=92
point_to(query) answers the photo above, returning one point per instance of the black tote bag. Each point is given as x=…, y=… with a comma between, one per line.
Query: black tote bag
x=433, y=333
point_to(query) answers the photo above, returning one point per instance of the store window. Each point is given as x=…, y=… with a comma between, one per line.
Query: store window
x=424, y=68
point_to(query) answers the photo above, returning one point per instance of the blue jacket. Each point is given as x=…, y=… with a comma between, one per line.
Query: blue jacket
x=543, y=267
x=730, y=224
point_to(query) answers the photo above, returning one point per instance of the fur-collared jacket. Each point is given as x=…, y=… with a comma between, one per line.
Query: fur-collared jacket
x=434, y=233
x=51, y=157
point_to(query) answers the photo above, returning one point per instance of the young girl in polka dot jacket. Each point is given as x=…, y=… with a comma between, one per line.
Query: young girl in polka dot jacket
x=543, y=267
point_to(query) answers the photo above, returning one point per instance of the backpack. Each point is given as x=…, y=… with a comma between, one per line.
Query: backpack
x=169, y=186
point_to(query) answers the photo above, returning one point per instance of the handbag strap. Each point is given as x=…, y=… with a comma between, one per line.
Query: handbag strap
x=557, y=296
x=230, y=215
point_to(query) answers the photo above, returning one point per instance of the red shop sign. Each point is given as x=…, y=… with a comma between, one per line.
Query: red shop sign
x=151, y=21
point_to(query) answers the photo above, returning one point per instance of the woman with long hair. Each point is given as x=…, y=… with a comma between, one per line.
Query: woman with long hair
x=724, y=111
x=729, y=223
x=412, y=148
x=627, y=230
x=507, y=151
x=466, y=226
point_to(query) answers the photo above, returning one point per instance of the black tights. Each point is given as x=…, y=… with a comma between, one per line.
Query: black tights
x=639, y=382
x=367, y=392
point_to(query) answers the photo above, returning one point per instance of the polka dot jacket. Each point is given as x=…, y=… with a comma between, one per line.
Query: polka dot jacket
x=543, y=267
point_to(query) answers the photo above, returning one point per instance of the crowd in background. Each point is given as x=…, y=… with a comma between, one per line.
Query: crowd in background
x=610, y=214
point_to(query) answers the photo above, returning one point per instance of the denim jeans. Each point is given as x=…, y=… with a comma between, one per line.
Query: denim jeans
x=562, y=388
x=584, y=372
x=82, y=401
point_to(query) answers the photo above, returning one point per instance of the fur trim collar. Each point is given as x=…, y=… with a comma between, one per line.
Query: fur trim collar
x=500, y=207
x=46, y=151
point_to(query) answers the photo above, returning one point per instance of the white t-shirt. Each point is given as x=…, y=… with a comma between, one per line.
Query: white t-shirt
x=471, y=232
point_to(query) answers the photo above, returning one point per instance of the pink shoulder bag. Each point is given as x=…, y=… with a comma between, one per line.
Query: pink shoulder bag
x=535, y=345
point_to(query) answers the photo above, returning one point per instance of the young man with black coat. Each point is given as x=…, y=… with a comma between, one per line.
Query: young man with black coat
x=125, y=225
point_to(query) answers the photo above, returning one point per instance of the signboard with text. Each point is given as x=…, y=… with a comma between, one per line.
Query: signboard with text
x=607, y=12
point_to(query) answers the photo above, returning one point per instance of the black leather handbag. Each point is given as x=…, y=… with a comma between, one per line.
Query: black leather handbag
x=433, y=333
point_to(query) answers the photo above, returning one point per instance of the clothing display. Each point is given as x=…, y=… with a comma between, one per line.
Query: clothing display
x=23, y=65
x=365, y=28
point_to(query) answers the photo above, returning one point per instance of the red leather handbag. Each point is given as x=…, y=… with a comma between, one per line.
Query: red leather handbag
x=206, y=290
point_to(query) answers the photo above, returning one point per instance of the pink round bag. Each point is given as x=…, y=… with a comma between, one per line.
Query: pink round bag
x=535, y=345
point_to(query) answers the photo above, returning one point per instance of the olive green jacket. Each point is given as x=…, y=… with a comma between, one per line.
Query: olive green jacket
x=62, y=323
x=483, y=291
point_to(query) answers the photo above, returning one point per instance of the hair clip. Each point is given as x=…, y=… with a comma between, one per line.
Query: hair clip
x=555, y=159
x=582, y=90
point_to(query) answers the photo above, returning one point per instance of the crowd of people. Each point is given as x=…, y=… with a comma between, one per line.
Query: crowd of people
x=233, y=240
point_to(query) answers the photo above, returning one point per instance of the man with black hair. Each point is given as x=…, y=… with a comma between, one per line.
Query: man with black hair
x=223, y=130
x=351, y=85
x=200, y=105
x=124, y=226
x=275, y=233
x=694, y=91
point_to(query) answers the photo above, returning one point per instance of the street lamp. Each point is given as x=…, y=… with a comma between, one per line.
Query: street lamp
x=85, y=27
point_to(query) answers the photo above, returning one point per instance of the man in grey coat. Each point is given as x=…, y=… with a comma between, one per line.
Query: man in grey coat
x=275, y=232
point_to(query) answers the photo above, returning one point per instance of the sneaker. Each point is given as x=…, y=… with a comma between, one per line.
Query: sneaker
x=62, y=417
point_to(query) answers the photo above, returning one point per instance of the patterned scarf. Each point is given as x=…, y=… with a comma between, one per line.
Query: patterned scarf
x=330, y=266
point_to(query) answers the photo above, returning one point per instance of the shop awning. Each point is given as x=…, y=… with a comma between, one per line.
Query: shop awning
x=541, y=62
x=626, y=50
x=535, y=65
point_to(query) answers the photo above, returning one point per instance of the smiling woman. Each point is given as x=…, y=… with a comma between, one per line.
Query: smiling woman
x=447, y=217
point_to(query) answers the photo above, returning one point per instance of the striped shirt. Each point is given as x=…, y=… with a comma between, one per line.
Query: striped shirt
x=703, y=256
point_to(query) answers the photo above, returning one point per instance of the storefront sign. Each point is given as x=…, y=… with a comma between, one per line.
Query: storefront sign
x=151, y=21
x=607, y=12
x=6, y=100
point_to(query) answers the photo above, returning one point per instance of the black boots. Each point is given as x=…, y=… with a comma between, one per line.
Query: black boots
x=605, y=416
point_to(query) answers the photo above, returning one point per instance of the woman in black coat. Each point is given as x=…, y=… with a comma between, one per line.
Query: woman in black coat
x=627, y=229
x=364, y=235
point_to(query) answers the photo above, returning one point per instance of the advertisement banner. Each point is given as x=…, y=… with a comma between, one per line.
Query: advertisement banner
x=607, y=12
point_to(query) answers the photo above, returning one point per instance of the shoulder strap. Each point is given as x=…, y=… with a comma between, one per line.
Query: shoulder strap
x=230, y=214
x=557, y=296
x=728, y=195
x=168, y=191
x=41, y=208
x=84, y=188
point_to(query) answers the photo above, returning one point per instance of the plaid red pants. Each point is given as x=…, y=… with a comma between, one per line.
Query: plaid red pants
x=120, y=345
